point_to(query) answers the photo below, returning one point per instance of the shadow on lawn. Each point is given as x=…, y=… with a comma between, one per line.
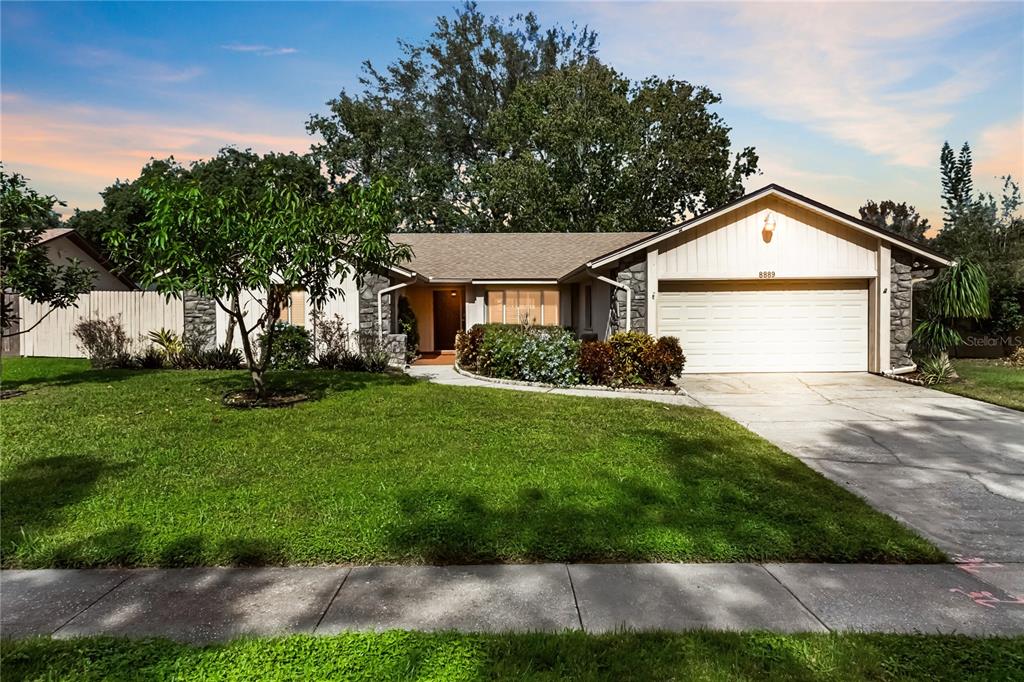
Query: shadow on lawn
x=314, y=383
x=84, y=376
x=769, y=505
x=36, y=493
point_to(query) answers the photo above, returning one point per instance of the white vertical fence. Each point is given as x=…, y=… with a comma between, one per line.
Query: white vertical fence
x=140, y=312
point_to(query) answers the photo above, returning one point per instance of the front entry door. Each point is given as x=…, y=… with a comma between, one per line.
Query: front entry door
x=447, y=317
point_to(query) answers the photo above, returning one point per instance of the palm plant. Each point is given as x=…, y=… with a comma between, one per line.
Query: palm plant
x=960, y=292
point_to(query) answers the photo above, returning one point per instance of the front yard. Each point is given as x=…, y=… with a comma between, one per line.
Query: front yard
x=572, y=655
x=990, y=380
x=149, y=469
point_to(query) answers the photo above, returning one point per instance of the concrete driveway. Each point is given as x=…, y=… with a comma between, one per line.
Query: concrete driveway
x=952, y=468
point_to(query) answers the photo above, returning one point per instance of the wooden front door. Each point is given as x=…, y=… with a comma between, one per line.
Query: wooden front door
x=447, y=317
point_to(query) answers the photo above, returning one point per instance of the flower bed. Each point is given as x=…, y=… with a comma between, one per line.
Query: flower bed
x=553, y=355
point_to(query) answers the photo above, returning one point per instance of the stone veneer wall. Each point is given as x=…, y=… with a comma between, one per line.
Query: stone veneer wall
x=200, y=318
x=901, y=305
x=633, y=273
x=371, y=285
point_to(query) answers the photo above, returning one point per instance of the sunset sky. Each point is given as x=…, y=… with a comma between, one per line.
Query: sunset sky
x=844, y=102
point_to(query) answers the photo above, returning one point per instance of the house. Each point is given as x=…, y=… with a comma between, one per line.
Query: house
x=771, y=282
x=64, y=244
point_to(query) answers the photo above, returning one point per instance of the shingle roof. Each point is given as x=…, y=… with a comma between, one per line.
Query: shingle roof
x=508, y=255
x=52, y=233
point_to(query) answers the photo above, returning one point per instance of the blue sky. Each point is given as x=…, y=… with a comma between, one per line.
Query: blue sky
x=843, y=101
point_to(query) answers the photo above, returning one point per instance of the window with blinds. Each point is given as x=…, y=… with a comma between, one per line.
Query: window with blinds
x=518, y=306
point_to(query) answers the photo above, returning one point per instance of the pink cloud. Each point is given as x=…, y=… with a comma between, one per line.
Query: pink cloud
x=76, y=151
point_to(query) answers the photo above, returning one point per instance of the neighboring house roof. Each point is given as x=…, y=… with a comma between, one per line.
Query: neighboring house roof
x=50, y=234
x=507, y=255
x=792, y=197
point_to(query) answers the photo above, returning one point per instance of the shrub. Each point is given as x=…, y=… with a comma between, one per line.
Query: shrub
x=373, y=352
x=467, y=344
x=408, y=325
x=662, y=362
x=290, y=346
x=168, y=344
x=151, y=358
x=630, y=349
x=333, y=344
x=936, y=370
x=596, y=358
x=104, y=342
x=221, y=357
x=545, y=354
x=1016, y=358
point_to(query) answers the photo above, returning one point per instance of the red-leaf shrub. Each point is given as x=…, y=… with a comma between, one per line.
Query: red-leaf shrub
x=662, y=361
x=596, y=362
x=630, y=348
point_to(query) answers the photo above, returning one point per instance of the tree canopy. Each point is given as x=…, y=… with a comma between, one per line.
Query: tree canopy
x=505, y=125
x=25, y=266
x=270, y=238
x=901, y=218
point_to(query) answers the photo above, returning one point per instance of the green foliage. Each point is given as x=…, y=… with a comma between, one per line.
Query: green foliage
x=169, y=343
x=957, y=183
x=581, y=149
x=960, y=292
x=597, y=360
x=902, y=219
x=147, y=468
x=104, y=342
x=220, y=240
x=408, y=325
x=663, y=361
x=288, y=347
x=492, y=125
x=544, y=354
x=24, y=264
x=220, y=357
x=936, y=370
x=630, y=348
x=934, y=337
x=702, y=655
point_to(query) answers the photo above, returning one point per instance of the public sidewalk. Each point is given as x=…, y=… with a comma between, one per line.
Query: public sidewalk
x=213, y=604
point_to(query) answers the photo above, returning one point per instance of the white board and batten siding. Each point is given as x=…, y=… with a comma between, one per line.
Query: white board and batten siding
x=803, y=245
x=140, y=312
x=741, y=300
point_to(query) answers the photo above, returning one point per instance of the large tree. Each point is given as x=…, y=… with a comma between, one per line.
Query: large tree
x=219, y=241
x=431, y=120
x=583, y=149
x=990, y=232
x=901, y=218
x=957, y=182
x=423, y=119
x=25, y=266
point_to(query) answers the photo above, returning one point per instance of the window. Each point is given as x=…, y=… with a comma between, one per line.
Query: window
x=294, y=309
x=514, y=306
x=588, y=307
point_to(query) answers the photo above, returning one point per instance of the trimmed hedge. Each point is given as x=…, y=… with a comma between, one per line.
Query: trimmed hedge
x=555, y=355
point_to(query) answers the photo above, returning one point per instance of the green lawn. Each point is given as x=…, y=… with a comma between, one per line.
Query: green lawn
x=990, y=380
x=451, y=656
x=148, y=468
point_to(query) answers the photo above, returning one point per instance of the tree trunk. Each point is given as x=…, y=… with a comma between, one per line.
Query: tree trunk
x=255, y=368
x=229, y=336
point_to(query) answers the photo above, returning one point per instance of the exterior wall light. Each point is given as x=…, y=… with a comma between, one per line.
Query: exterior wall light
x=768, y=229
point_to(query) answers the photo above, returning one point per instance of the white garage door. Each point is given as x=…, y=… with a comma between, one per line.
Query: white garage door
x=776, y=326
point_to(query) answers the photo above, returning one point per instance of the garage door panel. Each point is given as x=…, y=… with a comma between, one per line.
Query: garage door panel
x=768, y=326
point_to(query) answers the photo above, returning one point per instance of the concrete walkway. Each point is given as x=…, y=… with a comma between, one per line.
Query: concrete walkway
x=213, y=604
x=949, y=467
x=446, y=374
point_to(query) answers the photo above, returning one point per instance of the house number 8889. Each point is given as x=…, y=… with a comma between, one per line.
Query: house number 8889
x=766, y=274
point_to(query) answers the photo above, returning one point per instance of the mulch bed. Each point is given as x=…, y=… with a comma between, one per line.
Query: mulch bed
x=247, y=399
